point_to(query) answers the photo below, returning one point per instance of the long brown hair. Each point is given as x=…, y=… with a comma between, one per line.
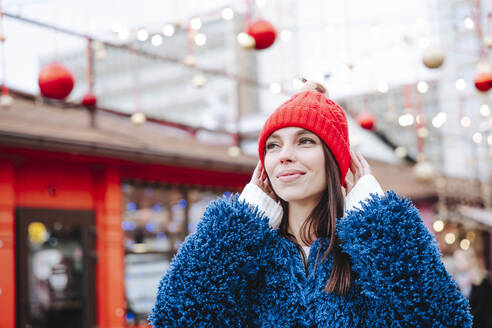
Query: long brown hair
x=322, y=220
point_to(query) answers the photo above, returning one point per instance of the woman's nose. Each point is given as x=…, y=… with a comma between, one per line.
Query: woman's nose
x=287, y=154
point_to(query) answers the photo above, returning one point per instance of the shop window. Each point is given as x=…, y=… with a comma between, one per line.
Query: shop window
x=156, y=221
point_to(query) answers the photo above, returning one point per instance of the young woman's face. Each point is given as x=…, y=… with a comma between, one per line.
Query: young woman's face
x=295, y=164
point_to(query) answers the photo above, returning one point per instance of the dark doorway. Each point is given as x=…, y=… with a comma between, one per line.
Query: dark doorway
x=55, y=268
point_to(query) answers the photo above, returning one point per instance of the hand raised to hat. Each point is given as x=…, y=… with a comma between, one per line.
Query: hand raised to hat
x=359, y=167
x=260, y=178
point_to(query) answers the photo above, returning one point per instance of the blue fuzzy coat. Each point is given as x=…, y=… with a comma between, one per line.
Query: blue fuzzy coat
x=235, y=271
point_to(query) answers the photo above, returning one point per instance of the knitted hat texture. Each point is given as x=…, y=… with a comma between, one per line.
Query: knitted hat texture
x=312, y=111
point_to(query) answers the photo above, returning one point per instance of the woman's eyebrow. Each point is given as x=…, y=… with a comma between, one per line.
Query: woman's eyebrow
x=303, y=131
x=298, y=133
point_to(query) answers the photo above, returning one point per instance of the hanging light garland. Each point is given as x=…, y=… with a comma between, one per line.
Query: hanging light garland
x=189, y=59
x=365, y=118
x=406, y=119
x=138, y=117
x=89, y=99
x=424, y=170
x=434, y=55
x=465, y=120
x=260, y=34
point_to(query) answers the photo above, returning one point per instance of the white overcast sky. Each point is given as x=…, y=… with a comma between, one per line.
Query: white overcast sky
x=368, y=34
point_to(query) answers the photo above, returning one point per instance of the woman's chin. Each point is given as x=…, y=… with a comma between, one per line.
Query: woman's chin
x=292, y=196
x=286, y=194
x=297, y=194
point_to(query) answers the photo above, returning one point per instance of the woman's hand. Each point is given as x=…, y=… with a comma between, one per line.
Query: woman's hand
x=359, y=167
x=260, y=179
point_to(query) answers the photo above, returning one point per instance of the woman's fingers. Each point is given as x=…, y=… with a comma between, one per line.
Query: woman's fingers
x=357, y=166
x=272, y=194
x=353, y=168
x=260, y=178
x=365, y=164
x=263, y=176
x=256, y=172
x=259, y=174
x=355, y=161
x=350, y=185
x=268, y=187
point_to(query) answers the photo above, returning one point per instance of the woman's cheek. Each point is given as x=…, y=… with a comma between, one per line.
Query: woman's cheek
x=269, y=166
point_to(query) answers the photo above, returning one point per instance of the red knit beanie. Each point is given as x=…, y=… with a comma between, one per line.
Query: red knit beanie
x=313, y=111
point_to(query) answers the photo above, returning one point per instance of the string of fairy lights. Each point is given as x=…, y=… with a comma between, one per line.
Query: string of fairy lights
x=433, y=58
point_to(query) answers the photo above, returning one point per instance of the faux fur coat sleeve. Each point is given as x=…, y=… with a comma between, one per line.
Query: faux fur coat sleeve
x=398, y=267
x=205, y=284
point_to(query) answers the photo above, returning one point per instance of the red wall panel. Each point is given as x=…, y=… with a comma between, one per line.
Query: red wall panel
x=7, y=245
x=54, y=184
x=110, y=248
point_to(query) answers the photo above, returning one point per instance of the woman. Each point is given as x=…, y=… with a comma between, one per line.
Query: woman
x=291, y=251
x=475, y=284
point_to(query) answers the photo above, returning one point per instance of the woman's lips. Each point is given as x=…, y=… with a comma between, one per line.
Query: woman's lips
x=289, y=177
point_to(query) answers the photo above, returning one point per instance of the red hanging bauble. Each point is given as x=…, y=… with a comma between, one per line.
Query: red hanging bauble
x=89, y=100
x=483, y=81
x=55, y=81
x=263, y=32
x=366, y=120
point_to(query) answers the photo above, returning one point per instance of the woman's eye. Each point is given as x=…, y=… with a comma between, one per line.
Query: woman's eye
x=306, y=141
x=270, y=145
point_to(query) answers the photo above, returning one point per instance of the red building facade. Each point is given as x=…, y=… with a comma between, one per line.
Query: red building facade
x=40, y=181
